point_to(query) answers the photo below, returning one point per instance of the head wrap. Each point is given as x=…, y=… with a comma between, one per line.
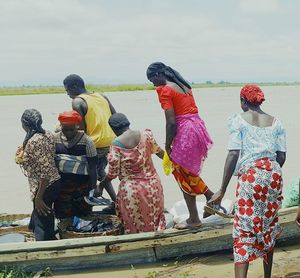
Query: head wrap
x=170, y=74
x=32, y=120
x=118, y=121
x=253, y=94
x=70, y=118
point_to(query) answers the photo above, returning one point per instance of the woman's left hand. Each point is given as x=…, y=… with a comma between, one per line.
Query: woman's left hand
x=41, y=207
x=19, y=155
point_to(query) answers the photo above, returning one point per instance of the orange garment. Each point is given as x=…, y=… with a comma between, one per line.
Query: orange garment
x=188, y=183
x=181, y=103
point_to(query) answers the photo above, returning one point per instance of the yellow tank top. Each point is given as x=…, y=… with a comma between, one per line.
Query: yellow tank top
x=96, y=120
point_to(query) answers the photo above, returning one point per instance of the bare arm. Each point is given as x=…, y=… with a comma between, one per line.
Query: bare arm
x=280, y=158
x=229, y=167
x=100, y=186
x=160, y=154
x=79, y=105
x=170, y=128
x=39, y=204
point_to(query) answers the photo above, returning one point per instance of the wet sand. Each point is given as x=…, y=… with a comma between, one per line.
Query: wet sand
x=143, y=110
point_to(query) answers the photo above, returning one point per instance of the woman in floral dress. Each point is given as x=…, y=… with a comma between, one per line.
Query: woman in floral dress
x=140, y=199
x=257, y=151
x=36, y=158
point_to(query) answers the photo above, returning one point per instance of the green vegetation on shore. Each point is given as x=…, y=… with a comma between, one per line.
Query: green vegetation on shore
x=41, y=90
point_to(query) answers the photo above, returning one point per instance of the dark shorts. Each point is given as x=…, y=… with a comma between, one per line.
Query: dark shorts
x=102, y=162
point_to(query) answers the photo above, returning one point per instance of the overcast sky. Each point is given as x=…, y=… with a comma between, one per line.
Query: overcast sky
x=113, y=41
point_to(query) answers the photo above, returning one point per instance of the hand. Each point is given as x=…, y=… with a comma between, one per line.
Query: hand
x=298, y=217
x=98, y=190
x=19, y=150
x=41, y=207
x=216, y=199
x=19, y=155
x=169, y=150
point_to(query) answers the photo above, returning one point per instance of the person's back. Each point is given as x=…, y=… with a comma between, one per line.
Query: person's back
x=96, y=119
x=135, y=149
x=140, y=200
x=257, y=134
x=172, y=96
x=258, y=119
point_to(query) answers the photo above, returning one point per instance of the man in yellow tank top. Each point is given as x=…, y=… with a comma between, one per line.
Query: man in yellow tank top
x=95, y=110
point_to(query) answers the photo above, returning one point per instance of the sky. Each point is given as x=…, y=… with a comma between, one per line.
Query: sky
x=113, y=41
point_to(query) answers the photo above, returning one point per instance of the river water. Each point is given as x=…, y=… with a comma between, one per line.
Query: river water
x=143, y=110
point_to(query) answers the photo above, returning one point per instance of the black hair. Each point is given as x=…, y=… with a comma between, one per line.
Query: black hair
x=32, y=120
x=118, y=121
x=74, y=81
x=169, y=73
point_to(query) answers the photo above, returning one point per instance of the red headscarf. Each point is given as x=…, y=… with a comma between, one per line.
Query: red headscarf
x=253, y=94
x=70, y=118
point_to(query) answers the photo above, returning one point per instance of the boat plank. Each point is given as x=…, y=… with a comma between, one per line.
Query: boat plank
x=86, y=253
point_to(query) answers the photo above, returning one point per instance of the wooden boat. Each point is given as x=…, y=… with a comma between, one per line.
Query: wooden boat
x=105, y=251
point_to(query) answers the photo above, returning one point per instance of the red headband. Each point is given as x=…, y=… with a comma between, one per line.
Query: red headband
x=253, y=94
x=70, y=118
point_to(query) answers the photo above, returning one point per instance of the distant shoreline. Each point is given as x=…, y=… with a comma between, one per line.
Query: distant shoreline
x=42, y=90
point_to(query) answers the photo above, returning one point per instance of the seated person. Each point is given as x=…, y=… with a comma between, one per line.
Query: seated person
x=76, y=159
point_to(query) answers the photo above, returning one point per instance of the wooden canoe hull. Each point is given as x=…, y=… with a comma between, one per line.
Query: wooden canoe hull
x=97, y=252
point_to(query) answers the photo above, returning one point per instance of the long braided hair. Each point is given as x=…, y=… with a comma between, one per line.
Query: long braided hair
x=169, y=73
x=32, y=121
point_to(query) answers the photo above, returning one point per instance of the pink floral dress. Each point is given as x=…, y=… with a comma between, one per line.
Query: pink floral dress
x=140, y=199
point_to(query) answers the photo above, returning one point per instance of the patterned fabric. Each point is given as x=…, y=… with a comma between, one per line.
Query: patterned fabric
x=259, y=197
x=79, y=145
x=253, y=94
x=38, y=161
x=71, y=155
x=140, y=199
x=72, y=164
x=75, y=180
x=70, y=201
x=189, y=183
x=191, y=143
x=255, y=142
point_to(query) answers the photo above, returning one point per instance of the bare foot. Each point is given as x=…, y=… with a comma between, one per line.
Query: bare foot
x=188, y=225
x=193, y=222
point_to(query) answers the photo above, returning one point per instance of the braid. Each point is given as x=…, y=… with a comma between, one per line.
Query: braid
x=32, y=120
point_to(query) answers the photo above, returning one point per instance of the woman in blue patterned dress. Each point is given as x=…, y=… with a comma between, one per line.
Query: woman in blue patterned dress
x=257, y=149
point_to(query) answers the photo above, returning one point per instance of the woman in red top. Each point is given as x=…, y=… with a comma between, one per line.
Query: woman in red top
x=187, y=139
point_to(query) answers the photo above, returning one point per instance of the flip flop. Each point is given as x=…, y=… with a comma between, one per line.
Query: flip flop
x=99, y=201
x=184, y=226
x=216, y=210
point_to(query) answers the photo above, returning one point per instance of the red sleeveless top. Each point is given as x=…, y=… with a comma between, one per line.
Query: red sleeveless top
x=181, y=103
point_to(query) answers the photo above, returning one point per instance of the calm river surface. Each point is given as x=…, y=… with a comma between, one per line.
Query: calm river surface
x=143, y=110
